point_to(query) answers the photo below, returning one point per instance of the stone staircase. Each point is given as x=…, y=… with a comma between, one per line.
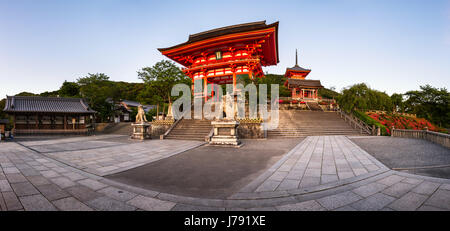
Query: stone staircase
x=293, y=123
x=190, y=129
x=122, y=128
x=314, y=106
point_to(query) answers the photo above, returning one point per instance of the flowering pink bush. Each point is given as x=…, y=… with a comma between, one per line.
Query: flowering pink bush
x=403, y=122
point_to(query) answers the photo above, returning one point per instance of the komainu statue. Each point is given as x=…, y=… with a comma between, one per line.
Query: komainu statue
x=140, y=117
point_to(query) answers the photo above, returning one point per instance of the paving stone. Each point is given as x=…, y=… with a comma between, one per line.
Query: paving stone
x=345, y=208
x=60, y=170
x=49, y=173
x=429, y=208
x=38, y=180
x=108, y=204
x=52, y=192
x=445, y=187
x=117, y=194
x=63, y=182
x=398, y=189
x=151, y=204
x=414, y=181
x=278, y=176
x=329, y=170
x=360, y=171
x=2, y=203
x=390, y=180
x=345, y=175
x=311, y=205
x=5, y=186
x=295, y=175
x=339, y=200
x=426, y=188
x=409, y=202
x=74, y=176
x=93, y=184
x=83, y=193
x=11, y=201
x=288, y=184
x=328, y=179
x=24, y=189
x=30, y=172
x=189, y=208
x=441, y=199
x=268, y=185
x=40, y=168
x=373, y=203
x=10, y=170
x=36, y=203
x=15, y=178
x=71, y=204
x=308, y=181
x=369, y=189
x=312, y=172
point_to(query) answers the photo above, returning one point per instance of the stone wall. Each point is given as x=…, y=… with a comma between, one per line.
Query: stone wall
x=250, y=131
x=159, y=129
x=435, y=137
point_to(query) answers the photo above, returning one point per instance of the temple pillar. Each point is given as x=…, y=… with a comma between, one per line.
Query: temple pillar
x=65, y=122
x=234, y=81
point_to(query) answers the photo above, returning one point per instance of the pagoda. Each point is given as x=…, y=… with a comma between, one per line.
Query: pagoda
x=226, y=55
x=301, y=88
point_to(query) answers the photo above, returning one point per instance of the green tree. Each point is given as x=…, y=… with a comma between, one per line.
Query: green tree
x=159, y=80
x=360, y=96
x=69, y=89
x=397, y=101
x=97, y=88
x=24, y=93
x=429, y=103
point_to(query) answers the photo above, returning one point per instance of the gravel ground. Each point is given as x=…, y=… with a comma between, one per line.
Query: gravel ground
x=397, y=152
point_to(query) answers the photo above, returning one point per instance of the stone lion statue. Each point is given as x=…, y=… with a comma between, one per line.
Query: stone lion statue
x=140, y=117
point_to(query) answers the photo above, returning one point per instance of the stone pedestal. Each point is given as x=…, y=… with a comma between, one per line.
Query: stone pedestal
x=225, y=133
x=141, y=131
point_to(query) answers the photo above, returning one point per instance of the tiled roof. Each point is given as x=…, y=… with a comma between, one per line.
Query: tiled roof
x=297, y=68
x=304, y=83
x=239, y=28
x=46, y=104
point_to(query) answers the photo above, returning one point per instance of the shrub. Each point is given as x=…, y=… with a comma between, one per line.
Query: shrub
x=370, y=121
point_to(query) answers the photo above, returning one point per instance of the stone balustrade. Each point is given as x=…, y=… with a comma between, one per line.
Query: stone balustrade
x=435, y=137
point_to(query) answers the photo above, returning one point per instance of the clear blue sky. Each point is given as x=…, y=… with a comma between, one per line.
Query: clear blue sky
x=394, y=46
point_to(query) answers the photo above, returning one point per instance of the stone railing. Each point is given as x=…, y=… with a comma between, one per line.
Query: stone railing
x=435, y=137
x=356, y=123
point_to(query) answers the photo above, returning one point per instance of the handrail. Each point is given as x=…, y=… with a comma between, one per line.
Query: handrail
x=356, y=122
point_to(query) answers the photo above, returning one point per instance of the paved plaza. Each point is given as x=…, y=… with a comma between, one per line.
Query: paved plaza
x=108, y=154
x=31, y=178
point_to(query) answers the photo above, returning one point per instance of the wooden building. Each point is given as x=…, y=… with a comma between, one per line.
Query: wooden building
x=226, y=55
x=33, y=115
x=301, y=88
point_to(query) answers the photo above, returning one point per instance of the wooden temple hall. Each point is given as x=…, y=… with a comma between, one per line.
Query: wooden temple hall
x=33, y=115
x=226, y=55
x=301, y=88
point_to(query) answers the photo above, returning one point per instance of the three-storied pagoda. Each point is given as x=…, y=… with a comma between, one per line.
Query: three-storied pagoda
x=225, y=55
x=301, y=88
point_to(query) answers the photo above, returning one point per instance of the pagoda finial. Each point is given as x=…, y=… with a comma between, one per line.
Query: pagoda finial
x=296, y=58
